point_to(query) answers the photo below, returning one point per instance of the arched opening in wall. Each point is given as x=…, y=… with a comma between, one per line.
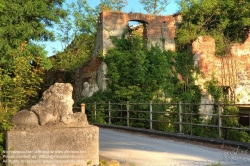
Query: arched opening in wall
x=139, y=27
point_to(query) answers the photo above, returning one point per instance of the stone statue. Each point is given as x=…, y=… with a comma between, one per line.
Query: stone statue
x=89, y=90
x=196, y=58
x=54, y=109
x=85, y=91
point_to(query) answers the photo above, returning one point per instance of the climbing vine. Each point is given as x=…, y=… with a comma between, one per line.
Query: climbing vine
x=137, y=75
x=140, y=75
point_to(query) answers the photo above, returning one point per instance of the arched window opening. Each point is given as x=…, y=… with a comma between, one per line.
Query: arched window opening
x=139, y=27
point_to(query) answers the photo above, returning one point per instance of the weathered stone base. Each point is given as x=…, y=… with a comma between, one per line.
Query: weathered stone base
x=66, y=146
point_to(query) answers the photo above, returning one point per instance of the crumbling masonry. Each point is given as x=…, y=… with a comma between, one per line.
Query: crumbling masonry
x=232, y=72
x=156, y=29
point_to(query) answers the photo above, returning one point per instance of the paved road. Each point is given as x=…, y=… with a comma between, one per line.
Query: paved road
x=147, y=151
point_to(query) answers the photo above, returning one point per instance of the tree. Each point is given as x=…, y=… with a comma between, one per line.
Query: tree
x=155, y=6
x=77, y=32
x=77, y=36
x=224, y=20
x=28, y=21
x=1, y=5
x=22, y=62
x=112, y=5
x=135, y=73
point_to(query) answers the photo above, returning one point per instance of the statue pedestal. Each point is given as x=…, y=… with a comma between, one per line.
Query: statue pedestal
x=53, y=146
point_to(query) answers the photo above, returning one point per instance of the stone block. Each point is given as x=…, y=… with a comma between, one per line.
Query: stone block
x=54, y=146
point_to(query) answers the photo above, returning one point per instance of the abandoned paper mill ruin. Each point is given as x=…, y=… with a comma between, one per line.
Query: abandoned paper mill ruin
x=233, y=73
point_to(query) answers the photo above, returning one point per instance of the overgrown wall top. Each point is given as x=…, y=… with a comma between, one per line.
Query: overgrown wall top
x=232, y=71
x=159, y=29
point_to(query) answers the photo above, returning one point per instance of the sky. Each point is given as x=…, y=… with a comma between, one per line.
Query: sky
x=133, y=6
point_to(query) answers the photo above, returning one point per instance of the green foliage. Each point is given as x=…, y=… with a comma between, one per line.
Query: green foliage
x=231, y=121
x=135, y=73
x=112, y=5
x=2, y=5
x=77, y=36
x=80, y=20
x=28, y=21
x=167, y=118
x=20, y=79
x=101, y=98
x=155, y=6
x=98, y=117
x=77, y=32
x=214, y=89
x=224, y=20
x=75, y=55
x=185, y=89
x=22, y=63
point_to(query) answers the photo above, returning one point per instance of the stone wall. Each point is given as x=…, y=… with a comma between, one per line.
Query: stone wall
x=66, y=146
x=232, y=72
x=50, y=133
x=87, y=73
x=155, y=28
x=241, y=55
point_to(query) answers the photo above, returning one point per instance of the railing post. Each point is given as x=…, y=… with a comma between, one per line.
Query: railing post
x=180, y=117
x=150, y=115
x=109, y=110
x=127, y=113
x=219, y=118
x=83, y=108
x=95, y=110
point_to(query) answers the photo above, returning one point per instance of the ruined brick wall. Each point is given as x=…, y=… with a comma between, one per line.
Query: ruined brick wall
x=86, y=73
x=232, y=71
x=155, y=28
x=110, y=24
x=115, y=23
x=241, y=52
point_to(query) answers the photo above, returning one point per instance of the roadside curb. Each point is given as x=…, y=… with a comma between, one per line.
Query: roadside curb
x=222, y=142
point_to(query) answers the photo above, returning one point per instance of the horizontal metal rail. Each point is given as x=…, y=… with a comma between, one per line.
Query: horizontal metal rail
x=182, y=112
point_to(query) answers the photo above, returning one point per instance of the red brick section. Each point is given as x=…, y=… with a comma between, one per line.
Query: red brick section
x=155, y=23
x=90, y=67
x=228, y=69
x=242, y=54
x=204, y=48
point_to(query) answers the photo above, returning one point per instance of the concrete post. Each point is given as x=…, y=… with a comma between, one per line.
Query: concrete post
x=83, y=108
x=219, y=119
x=127, y=113
x=95, y=110
x=150, y=115
x=180, y=117
x=109, y=113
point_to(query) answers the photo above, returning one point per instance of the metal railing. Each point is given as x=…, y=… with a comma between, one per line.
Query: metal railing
x=182, y=117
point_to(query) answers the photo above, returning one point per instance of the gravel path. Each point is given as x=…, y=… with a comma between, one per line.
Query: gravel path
x=142, y=150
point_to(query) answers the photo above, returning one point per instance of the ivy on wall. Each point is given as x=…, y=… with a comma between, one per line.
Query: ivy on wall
x=140, y=75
